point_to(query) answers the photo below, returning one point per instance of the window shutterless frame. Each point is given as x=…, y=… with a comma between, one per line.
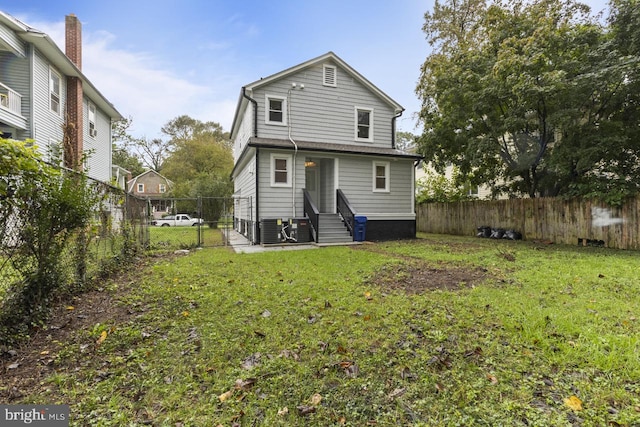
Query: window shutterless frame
x=275, y=110
x=381, y=175
x=280, y=170
x=363, y=124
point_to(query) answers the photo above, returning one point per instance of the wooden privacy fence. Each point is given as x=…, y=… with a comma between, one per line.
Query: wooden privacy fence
x=561, y=221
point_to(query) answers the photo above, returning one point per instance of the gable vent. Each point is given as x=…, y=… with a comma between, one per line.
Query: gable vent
x=329, y=75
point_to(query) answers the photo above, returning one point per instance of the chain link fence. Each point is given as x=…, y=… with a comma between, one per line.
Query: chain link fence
x=217, y=221
x=48, y=248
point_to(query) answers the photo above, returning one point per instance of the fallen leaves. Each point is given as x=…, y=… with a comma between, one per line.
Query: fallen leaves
x=240, y=385
x=103, y=336
x=573, y=403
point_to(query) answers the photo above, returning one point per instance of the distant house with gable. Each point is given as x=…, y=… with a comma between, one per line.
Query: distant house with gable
x=153, y=186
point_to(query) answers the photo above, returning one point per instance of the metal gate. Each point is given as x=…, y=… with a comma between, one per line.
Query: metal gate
x=216, y=214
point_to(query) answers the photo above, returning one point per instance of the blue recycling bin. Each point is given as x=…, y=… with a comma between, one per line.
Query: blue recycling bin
x=360, y=228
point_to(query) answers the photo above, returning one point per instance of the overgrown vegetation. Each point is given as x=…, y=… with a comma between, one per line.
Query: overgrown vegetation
x=434, y=187
x=49, y=221
x=440, y=331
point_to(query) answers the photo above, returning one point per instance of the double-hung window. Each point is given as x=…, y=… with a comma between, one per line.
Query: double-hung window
x=93, y=132
x=280, y=170
x=364, y=124
x=275, y=110
x=55, y=90
x=381, y=177
x=140, y=188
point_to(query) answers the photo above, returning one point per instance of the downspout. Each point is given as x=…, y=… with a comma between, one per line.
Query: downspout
x=255, y=110
x=393, y=129
x=256, y=227
x=295, y=154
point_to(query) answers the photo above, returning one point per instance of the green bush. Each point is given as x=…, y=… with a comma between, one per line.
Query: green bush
x=41, y=209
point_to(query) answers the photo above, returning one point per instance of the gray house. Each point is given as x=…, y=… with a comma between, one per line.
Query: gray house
x=43, y=89
x=314, y=151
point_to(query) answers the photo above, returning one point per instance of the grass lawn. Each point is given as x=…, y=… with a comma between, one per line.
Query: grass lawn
x=438, y=331
x=183, y=237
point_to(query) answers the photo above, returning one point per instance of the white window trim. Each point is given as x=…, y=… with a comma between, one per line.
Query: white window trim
x=92, y=122
x=325, y=67
x=272, y=167
x=267, y=97
x=355, y=127
x=138, y=186
x=387, y=175
x=162, y=188
x=51, y=92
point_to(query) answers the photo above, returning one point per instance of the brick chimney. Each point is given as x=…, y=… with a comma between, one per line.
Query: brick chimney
x=74, y=127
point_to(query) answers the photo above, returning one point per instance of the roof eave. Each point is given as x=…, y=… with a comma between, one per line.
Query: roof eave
x=53, y=53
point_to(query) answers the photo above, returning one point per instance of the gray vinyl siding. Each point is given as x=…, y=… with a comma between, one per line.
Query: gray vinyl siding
x=47, y=123
x=276, y=202
x=322, y=113
x=10, y=38
x=356, y=181
x=98, y=149
x=15, y=73
x=245, y=186
x=355, y=175
x=244, y=132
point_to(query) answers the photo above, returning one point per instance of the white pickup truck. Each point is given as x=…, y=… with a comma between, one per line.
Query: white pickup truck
x=179, y=220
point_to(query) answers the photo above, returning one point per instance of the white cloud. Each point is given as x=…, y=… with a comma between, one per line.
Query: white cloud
x=136, y=83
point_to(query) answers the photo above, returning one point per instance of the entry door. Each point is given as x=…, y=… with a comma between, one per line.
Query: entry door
x=312, y=184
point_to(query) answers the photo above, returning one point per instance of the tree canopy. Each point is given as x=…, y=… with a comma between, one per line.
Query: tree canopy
x=531, y=98
x=200, y=162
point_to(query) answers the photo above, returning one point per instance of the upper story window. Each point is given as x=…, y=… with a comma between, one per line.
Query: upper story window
x=93, y=132
x=55, y=90
x=381, y=176
x=364, y=124
x=329, y=75
x=140, y=188
x=280, y=170
x=162, y=188
x=276, y=110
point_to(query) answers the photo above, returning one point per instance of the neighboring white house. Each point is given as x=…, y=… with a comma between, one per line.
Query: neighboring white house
x=42, y=89
x=316, y=142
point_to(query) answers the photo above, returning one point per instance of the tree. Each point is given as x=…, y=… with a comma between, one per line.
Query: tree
x=200, y=163
x=122, y=142
x=516, y=95
x=184, y=129
x=405, y=141
x=434, y=187
x=151, y=153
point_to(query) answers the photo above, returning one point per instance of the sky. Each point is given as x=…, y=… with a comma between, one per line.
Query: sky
x=160, y=59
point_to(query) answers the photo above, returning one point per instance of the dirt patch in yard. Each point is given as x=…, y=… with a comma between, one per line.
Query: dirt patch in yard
x=415, y=276
x=23, y=369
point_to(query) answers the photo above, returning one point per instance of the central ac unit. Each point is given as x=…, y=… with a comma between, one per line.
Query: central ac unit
x=271, y=230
